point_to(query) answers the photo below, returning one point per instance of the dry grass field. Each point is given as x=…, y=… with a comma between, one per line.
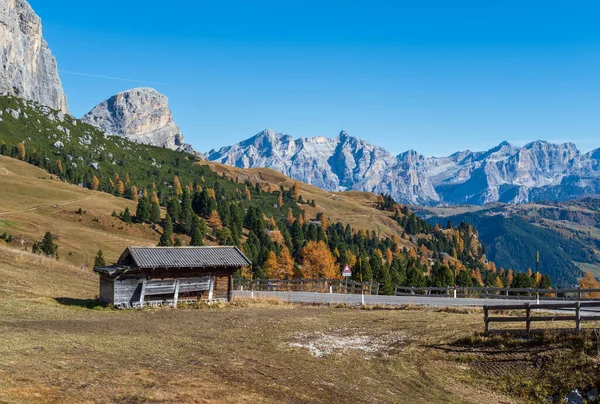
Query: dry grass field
x=58, y=346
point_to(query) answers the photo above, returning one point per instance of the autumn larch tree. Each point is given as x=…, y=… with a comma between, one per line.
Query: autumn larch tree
x=318, y=261
x=271, y=267
x=95, y=183
x=134, y=193
x=177, y=186
x=286, y=264
x=21, y=151
x=214, y=220
x=590, y=282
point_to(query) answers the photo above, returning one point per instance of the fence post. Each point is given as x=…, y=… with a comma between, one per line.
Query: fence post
x=528, y=315
x=506, y=292
x=486, y=292
x=578, y=317
x=529, y=293
x=486, y=320
x=412, y=290
x=579, y=292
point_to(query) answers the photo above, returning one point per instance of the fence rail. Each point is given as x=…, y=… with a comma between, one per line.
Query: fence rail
x=529, y=308
x=308, y=285
x=500, y=293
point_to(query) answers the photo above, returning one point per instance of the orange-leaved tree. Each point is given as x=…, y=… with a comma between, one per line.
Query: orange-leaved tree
x=318, y=262
x=589, y=282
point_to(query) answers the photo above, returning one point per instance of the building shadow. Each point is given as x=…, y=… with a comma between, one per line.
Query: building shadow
x=83, y=303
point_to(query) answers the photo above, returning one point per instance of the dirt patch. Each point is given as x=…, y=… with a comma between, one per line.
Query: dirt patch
x=341, y=340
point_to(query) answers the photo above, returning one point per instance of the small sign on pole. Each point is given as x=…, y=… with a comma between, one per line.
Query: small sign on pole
x=347, y=271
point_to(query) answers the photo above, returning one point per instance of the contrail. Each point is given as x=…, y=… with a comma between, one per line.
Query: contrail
x=112, y=78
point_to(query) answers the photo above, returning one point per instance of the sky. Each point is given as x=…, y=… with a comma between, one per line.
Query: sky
x=435, y=76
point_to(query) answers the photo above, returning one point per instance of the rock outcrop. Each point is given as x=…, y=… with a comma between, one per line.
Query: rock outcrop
x=140, y=115
x=506, y=173
x=27, y=67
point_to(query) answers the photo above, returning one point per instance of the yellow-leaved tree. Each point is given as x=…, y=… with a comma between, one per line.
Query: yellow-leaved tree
x=286, y=264
x=589, y=282
x=214, y=220
x=318, y=262
x=271, y=267
x=95, y=183
x=177, y=186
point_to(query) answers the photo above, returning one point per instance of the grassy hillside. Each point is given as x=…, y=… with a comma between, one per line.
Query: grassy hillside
x=352, y=207
x=33, y=203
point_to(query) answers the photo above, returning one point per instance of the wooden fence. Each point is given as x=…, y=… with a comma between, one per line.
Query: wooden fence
x=499, y=293
x=307, y=285
x=529, y=318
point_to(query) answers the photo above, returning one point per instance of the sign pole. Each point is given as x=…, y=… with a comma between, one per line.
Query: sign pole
x=537, y=269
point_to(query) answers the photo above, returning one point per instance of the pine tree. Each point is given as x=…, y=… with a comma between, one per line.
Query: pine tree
x=166, y=238
x=224, y=236
x=99, y=260
x=48, y=247
x=174, y=209
x=127, y=215
x=198, y=234
x=142, y=213
x=155, y=213
x=385, y=280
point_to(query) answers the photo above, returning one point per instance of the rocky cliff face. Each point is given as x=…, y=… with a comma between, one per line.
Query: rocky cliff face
x=27, y=67
x=505, y=173
x=140, y=115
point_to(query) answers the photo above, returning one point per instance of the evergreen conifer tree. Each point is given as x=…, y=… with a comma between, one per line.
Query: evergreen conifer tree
x=166, y=238
x=99, y=260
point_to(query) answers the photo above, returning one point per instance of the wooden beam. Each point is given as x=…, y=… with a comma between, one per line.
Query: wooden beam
x=211, y=285
x=143, y=293
x=176, y=294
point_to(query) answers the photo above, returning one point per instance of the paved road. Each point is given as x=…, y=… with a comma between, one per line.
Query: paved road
x=325, y=298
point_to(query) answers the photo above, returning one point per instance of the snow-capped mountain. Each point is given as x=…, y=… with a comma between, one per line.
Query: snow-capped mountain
x=505, y=173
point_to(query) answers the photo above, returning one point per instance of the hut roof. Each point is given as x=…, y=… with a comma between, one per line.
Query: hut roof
x=135, y=258
x=185, y=257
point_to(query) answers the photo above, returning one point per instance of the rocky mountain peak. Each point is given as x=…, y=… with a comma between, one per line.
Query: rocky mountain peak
x=141, y=115
x=505, y=173
x=27, y=67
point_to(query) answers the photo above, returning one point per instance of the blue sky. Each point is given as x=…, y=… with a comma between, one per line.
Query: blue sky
x=434, y=76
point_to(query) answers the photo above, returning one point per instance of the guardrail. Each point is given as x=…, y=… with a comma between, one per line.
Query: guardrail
x=499, y=293
x=307, y=285
x=529, y=318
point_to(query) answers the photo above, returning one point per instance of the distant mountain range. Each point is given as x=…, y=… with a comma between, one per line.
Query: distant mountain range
x=506, y=173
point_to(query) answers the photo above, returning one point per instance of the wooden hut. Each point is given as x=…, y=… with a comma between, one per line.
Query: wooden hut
x=166, y=275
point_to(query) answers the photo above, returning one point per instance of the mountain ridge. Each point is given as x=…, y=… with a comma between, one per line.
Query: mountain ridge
x=505, y=173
